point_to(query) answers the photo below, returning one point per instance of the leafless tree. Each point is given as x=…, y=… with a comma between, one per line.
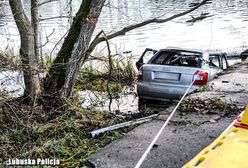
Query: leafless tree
x=35, y=24
x=27, y=50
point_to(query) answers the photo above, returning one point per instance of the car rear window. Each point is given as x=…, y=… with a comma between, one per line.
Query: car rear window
x=178, y=58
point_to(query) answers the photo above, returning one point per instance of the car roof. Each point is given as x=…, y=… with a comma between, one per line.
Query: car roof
x=182, y=49
x=210, y=52
x=215, y=52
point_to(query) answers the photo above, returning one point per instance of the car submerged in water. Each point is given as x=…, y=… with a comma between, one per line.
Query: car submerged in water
x=167, y=73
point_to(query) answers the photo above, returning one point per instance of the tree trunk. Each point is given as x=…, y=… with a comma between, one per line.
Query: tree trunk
x=63, y=73
x=35, y=25
x=29, y=61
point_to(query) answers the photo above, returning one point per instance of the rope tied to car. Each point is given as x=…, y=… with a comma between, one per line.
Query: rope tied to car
x=143, y=157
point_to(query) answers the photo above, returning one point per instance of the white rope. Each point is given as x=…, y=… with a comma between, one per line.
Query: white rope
x=231, y=125
x=164, y=125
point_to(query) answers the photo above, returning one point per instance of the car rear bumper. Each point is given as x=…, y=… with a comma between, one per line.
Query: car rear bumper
x=148, y=90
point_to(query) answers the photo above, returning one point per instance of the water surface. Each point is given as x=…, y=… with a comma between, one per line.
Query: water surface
x=226, y=29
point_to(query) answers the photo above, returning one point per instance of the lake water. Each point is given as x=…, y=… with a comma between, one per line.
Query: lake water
x=12, y=83
x=226, y=29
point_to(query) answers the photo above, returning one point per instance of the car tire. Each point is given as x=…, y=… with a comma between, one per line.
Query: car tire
x=141, y=100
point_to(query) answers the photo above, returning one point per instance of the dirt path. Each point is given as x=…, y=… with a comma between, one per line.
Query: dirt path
x=202, y=119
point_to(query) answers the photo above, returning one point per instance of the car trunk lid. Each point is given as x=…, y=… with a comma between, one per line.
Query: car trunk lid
x=167, y=74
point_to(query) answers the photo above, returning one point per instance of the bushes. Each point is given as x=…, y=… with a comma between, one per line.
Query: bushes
x=9, y=61
x=97, y=78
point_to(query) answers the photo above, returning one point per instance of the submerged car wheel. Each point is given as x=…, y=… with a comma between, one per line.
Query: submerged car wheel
x=141, y=100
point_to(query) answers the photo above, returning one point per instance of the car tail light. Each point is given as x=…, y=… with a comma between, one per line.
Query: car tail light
x=200, y=78
x=140, y=74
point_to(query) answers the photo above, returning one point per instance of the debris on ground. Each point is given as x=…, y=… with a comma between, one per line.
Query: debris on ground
x=208, y=106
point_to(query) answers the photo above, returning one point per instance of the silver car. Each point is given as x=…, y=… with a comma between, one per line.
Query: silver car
x=169, y=72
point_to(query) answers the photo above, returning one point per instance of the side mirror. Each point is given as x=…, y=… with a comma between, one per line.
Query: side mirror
x=244, y=55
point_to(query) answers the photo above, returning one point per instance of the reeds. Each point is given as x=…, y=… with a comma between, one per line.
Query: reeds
x=96, y=78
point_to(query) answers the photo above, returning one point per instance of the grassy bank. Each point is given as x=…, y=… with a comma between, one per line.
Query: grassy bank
x=61, y=132
x=60, y=128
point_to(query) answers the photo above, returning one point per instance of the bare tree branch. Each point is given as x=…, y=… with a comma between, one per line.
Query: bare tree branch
x=199, y=18
x=110, y=71
x=55, y=17
x=45, y=2
x=70, y=12
x=35, y=25
x=47, y=39
x=141, y=24
x=57, y=45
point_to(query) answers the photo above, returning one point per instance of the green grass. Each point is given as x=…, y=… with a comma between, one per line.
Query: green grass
x=8, y=60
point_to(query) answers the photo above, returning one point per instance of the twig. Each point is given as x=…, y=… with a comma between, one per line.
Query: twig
x=47, y=39
x=48, y=1
x=14, y=113
x=199, y=18
x=55, y=17
x=57, y=44
x=110, y=71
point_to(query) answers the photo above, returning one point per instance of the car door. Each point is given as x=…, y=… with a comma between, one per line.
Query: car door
x=145, y=57
x=215, y=65
x=224, y=61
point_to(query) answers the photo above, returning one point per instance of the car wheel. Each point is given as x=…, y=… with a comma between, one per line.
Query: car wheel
x=141, y=100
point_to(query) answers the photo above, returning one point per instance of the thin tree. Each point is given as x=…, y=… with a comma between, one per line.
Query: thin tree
x=35, y=25
x=27, y=50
